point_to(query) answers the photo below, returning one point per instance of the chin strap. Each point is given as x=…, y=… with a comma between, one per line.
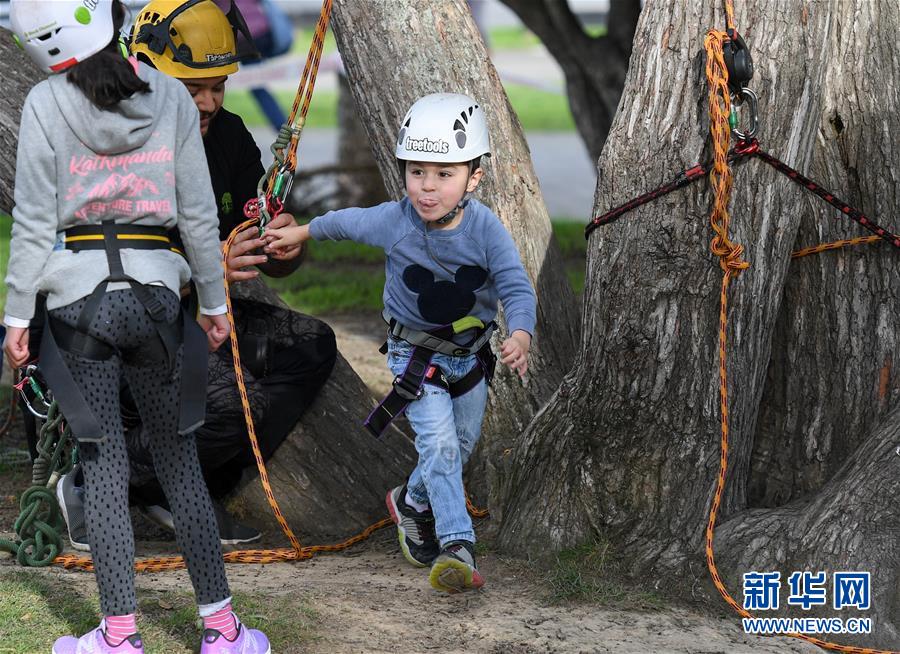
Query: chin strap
x=459, y=207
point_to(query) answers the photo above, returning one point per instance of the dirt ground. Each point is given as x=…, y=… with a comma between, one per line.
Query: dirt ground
x=369, y=600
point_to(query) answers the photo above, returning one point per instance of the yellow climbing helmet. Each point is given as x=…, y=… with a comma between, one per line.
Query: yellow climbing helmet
x=190, y=38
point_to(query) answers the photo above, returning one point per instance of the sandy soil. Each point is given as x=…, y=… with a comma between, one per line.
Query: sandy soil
x=370, y=600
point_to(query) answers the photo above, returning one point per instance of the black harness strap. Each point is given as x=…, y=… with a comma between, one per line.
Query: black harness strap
x=410, y=386
x=112, y=237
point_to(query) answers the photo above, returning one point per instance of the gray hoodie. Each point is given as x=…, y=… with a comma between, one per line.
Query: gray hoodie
x=142, y=163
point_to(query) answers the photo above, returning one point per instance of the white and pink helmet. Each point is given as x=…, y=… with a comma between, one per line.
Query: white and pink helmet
x=57, y=34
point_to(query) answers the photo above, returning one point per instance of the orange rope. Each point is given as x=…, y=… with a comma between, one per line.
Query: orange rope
x=835, y=245
x=304, y=94
x=729, y=259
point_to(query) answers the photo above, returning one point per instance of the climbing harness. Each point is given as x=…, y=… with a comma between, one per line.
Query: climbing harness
x=58, y=336
x=410, y=386
x=727, y=54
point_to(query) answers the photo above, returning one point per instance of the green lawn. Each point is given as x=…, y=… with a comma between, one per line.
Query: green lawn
x=36, y=609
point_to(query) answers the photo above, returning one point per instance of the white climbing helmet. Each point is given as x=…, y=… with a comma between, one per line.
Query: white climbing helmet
x=443, y=128
x=57, y=34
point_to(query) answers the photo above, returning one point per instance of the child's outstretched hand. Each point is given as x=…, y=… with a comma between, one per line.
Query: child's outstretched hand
x=280, y=241
x=514, y=351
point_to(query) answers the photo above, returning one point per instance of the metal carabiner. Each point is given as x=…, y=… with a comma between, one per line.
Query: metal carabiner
x=738, y=101
x=32, y=383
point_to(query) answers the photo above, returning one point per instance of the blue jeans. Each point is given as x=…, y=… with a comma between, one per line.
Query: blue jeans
x=447, y=430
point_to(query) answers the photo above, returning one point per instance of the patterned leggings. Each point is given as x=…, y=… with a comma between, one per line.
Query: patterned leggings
x=123, y=322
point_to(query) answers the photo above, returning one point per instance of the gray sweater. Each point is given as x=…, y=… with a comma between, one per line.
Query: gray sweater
x=142, y=163
x=436, y=276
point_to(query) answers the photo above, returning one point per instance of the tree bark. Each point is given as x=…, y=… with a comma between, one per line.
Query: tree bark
x=594, y=67
x=804, y=434
x=632, y=435
x=396, y=52
x=18, y=74
x=361, y=184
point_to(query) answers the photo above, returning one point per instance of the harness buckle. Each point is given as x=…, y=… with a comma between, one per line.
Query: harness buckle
x=405, y=392
x=155, y=308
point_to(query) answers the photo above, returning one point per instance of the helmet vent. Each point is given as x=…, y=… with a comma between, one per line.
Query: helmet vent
x=53, y=52
x=402, y=134
x=458, y=125
x=47, y=35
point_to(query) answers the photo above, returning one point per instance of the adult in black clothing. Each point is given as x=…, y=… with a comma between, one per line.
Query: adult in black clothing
x=286, y=356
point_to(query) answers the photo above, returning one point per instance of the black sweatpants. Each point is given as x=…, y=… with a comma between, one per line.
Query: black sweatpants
x=123, y=322
x=301, y=355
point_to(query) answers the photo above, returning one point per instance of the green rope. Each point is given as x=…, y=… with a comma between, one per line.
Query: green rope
x=40, y=523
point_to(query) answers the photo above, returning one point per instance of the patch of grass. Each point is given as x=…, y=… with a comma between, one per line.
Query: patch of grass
x=35, y=609
x=303, y=39
x=322, y=110
x=334, y=290
x=540, y=111
x=33, y=613
x=512, y=37
x=573, y=246
x=590, y=573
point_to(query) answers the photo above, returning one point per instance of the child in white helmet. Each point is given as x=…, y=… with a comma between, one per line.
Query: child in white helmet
x=110, y=158
x=449, y=259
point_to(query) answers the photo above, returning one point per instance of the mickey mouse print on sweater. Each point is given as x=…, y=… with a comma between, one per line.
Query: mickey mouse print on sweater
x=442, y=302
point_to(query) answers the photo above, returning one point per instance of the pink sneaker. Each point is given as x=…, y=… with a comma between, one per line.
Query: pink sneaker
x=94, y=642
x=247, y=641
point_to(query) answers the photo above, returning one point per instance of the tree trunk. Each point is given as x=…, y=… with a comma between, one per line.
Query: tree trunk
x=18, y=74
x=330, y=475
x=804, y=435
x=360, y=184
x=594, y=66
x=396, y=52
x=632, y=435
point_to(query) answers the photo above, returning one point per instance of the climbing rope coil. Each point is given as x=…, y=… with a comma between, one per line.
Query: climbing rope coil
x=726, y=58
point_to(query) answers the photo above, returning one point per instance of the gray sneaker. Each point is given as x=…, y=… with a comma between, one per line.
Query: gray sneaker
x=231, y=532
x=414, y=528
x=454, y=570
x=71, y=503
